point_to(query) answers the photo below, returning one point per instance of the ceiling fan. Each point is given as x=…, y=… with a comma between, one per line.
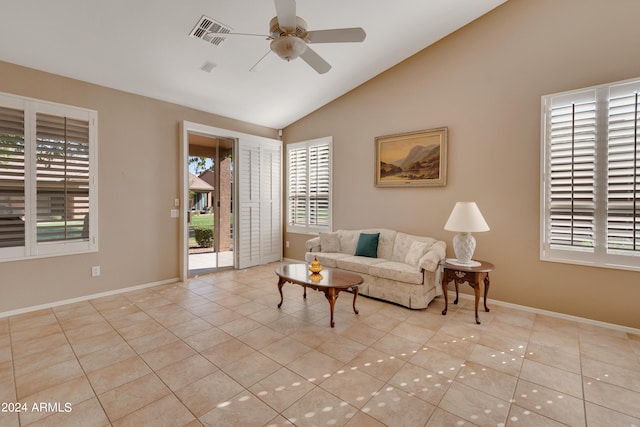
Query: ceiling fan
x=290, y=38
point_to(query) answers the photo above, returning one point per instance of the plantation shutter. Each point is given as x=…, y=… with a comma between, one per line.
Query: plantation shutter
x=319, y=182
x=62, y=178
x=590, y=207
x=571, y=138
x=12, y=178
x=271, y=203
x=48, y=179
x=260, y=202
x=309, y=184
x=297, y=174
x=623, y=171
x=249, y=205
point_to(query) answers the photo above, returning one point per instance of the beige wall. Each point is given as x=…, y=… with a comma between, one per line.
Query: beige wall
x=138, y=155
x=484, y=83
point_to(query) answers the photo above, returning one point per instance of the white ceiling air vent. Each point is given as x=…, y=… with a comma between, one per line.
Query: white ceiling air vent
x=207, y=67
x=206, y=29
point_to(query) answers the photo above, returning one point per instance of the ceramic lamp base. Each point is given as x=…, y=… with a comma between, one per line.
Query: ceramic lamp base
x=464, y=244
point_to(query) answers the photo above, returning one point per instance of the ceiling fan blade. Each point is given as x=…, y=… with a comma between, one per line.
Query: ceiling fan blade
x=338, y=35
x=315, y=61
x=261, y=62
x=286, y=12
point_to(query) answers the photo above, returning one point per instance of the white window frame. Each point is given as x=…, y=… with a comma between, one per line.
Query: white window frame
x=32, y=248
x=594, y=186
x=307, y=227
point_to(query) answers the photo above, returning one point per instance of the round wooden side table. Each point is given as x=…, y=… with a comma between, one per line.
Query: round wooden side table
x=473, y=275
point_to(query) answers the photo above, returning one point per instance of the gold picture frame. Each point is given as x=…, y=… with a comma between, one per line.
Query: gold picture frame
x=413, y=159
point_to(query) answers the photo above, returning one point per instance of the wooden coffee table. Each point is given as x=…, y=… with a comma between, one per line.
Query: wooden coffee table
x=331, y=281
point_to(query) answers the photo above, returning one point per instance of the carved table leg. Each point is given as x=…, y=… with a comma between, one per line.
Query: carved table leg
x=476, y=291
x=486, y=291
x=280, y=283
x=305, y=292
x=331, y=295
x=355, y=295
x=455, y=282
x=445, y=286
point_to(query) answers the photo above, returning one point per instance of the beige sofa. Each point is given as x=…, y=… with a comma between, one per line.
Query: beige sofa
x=405, y=269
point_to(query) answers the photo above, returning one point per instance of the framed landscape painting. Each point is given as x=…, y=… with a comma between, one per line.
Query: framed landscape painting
x=412, y=159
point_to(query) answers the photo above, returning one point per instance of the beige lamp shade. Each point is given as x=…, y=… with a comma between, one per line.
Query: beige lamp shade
x=466, y=218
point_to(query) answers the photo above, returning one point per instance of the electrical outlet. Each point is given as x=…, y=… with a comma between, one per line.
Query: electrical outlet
x=286, y=243
x=176, y=203
x=95, y=271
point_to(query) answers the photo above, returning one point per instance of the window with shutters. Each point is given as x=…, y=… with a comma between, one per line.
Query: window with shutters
x=48, y=188
x=309, y=186
x=590, y=211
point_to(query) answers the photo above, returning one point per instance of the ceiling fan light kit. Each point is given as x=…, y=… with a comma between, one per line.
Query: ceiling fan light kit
x=288, y=47
x=290, y=38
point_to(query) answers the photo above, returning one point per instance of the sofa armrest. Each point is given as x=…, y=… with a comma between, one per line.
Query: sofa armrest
x=431, y=260
x=313, y=245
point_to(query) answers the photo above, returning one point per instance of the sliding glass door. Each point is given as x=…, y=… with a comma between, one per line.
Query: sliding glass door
x=210, y=208
x=232, y=199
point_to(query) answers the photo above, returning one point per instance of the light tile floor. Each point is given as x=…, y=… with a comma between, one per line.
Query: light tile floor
x=216, y=351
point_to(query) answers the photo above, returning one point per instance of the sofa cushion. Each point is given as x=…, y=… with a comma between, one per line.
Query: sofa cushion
x=358, y=264
x=401, y=247
x=348, y=241
x=416, y=251
x=329, y=242
x=368, y=245
x=327, y=259
x=399, y=271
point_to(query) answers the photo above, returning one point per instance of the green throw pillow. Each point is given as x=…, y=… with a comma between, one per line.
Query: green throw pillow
x=368, y=245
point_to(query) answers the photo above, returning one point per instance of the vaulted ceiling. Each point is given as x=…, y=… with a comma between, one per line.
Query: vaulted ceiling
x=144, y=47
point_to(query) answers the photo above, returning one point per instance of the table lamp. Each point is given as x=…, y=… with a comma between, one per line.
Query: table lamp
x=465, y=219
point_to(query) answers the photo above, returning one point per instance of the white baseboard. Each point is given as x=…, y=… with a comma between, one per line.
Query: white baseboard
x=86, y=297
x=627, y=329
